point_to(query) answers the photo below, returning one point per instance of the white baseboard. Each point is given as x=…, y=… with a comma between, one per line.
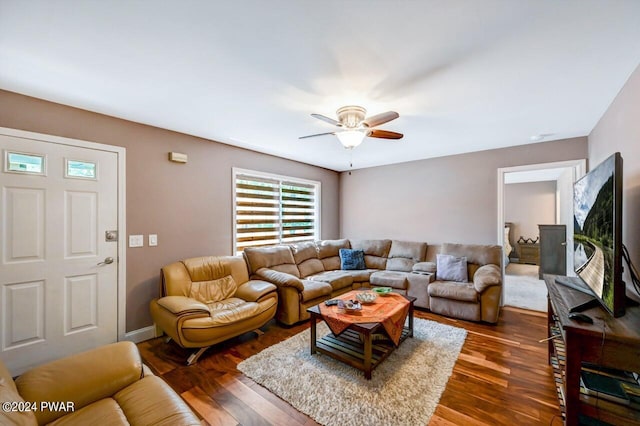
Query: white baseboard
x=141, y=334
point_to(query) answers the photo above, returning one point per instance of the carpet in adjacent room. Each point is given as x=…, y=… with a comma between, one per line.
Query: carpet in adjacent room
x=405, y=388
x=523, y=288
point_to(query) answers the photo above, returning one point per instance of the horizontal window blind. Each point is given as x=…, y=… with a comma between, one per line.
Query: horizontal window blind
x=298, y=212
x=272, y=210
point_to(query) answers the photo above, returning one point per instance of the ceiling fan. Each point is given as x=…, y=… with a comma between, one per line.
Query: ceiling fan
x=354, y=127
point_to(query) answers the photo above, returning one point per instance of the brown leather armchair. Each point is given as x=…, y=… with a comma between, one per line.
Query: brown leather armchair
x=207, y=300
x=106, y=385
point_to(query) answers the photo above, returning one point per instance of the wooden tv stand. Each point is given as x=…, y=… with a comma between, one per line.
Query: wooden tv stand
x=609, y=342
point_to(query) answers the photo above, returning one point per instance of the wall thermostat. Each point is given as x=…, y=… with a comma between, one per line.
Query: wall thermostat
x=177, y=157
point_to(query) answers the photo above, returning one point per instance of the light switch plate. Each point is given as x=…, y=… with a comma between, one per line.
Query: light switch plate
x=136, y=240
x=153, y=240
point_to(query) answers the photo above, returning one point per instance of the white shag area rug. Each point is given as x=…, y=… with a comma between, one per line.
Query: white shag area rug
x=404, y=390
x=523, y=289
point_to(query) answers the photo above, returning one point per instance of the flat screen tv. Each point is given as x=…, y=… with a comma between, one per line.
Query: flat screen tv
x=597, y=233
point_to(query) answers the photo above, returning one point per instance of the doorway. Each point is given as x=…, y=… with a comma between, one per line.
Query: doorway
x=552, y=185
x=62, y=269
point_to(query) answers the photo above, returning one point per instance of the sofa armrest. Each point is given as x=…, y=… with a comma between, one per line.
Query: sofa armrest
x=253, y=290
x=487, y=276
x=281, y=279
x=182, y=305
x=82, y=378
x=424, y=268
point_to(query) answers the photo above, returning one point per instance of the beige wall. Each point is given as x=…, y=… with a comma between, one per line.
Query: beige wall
x=619, y=131
x=188, y=206
x=446, y=199
x=528, y=205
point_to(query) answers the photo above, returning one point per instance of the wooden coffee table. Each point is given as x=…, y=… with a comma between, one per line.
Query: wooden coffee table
x=356, y=345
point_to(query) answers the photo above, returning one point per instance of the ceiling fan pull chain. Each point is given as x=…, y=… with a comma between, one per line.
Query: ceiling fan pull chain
x=350, y=161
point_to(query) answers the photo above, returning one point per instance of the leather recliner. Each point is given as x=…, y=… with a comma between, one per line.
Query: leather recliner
x=207, y=300
x=106, y=385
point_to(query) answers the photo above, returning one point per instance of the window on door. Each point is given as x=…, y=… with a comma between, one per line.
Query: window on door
x=272, y=209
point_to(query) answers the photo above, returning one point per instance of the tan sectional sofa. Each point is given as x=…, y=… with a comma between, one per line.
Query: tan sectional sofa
x=308, y=273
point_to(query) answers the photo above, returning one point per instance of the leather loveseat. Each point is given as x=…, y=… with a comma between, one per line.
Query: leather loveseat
x=309, y=273
x=106, y=385
x=207, y=300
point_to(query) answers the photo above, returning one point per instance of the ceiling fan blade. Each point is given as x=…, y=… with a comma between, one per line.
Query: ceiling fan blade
x=317, y=134
x=384, y=134
x=327, y=119
x=379, y=119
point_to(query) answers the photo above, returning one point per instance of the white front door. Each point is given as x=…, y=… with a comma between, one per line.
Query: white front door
x=58, y=267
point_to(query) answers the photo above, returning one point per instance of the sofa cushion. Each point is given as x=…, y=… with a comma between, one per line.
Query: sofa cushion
x=315, y=289
x=8, y=393
x=451, y=268
x=360, y=276
x=213, y=290
x=351, y=259
x=408, y=249
x=375, y=252
x=404, y=254
x=453, y=290
x=424, y=268
x=336, y=279
x=107, y=410
x=206, y=268
x=389, y=279
x=227, y=321
x=399, y=264
x=329, y=253
x=278, y=258
x=310, y=267
x=231, y=310
x=477, y=255
x=306, y=257
x=151, y=401
x=304, y=251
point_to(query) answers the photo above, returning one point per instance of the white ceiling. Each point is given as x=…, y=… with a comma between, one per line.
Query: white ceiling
x=464, y=75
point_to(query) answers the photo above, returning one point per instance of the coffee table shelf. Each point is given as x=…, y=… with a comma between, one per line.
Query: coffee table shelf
x=349, y=349
x=358, y=346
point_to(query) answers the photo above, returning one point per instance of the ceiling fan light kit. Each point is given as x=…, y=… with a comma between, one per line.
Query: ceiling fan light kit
x=355, y=127
x=351, y=138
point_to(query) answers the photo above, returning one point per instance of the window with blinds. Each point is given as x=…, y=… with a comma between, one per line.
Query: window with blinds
x=271, y=209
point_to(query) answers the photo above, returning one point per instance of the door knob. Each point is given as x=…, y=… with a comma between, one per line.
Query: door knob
x=563, y=243
x=107, y=261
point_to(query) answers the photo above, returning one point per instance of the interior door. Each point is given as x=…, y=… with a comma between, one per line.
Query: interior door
x=564, y=188
x=58, y=255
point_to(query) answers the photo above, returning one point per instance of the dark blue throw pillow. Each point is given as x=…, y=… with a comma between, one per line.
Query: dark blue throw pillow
x=351, y=259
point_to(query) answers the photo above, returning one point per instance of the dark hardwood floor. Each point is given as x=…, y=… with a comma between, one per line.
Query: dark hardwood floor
x=500, y=378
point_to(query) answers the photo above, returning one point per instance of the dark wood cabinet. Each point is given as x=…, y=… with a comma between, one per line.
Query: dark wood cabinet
x=553, y=249
x=608, y=342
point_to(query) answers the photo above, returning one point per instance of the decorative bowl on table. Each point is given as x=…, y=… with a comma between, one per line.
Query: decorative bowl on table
x=382, y=291
x=367, y=297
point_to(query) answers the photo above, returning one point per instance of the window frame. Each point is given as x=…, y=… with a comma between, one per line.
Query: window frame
x=7, y=168
x=236, y=171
